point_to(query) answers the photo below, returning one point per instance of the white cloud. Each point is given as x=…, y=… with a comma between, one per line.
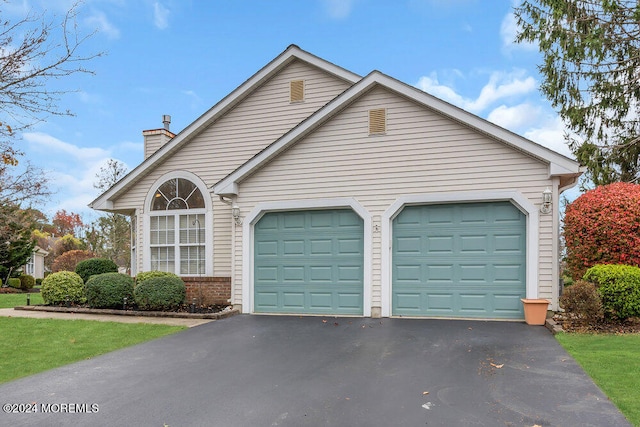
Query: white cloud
x=160, y=16
x=48, y=143
x=104, y=26
x=551, y=134
x=338, y=9
x=501, y=85
x=71, y=171
x=515, y=117
x=509, y=30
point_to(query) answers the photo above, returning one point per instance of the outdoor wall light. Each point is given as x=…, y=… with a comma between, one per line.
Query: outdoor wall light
x=545, y=208
x=235, y=212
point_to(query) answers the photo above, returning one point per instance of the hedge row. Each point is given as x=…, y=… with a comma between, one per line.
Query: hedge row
x=109, y=290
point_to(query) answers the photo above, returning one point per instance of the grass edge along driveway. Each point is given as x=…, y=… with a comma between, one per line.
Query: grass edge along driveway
x=30, y=346
x=613, y=362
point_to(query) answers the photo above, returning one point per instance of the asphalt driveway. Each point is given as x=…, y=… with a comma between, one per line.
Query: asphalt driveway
x=313, y=371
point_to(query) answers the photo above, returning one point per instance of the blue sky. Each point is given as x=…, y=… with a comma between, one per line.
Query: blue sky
x=180, y=57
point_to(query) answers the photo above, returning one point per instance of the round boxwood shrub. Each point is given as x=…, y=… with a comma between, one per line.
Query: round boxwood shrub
x=602, y=226
x=582, y=304
x=27, y=281
x=57, y=287
x=160, y=293
x=108, y=290
x=619, y=287
x=92, y=266
x=14, y=282
x=145, y=275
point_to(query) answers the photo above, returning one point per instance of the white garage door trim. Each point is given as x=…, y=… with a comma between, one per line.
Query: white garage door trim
x=291, y=205
x=518, y=199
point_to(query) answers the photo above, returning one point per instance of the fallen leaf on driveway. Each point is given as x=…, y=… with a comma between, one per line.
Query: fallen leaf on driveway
x=324, y=321
x=425, y=392
x=497, y=366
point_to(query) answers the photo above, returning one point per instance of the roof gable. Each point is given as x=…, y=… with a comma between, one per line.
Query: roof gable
x=559, y=165
x=292, y=53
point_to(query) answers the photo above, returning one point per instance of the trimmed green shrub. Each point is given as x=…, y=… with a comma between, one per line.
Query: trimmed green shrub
x=160, y=293
x=145, y=275
x=14, y=282
x=91, y=266
x=56, y=287
x=27, y=281
x=108, y=290
x=39, y=282
x=582, y=304
x=619, y=287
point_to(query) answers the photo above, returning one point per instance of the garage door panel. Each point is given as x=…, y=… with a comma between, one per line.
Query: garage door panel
x=473, y=273
x=439, y=244
x=440, y=303
x=320, y=273
x=293, y=273
x=350, y=274
x=474, y=244
x=321, y=246
x=267, y=274
x=293, y=247
x=439, y=215
x=266, y=248
x=473, y=303
x=293, y=300
x=349, y=246
x=439, y=273
x=470, y=260
x=322, y=300
x=316, y=267
x=508, y=243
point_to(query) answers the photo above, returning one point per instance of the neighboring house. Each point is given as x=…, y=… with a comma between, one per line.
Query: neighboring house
x=312, y=190
x=35, y=265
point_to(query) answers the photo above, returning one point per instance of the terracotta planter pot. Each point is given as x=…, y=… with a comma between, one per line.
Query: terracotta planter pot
x=535, y=311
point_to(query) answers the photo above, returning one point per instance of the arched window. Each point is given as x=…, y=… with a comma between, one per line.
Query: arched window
x=177, y=228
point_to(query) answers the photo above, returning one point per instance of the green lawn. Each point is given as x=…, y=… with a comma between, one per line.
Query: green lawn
x=613, y=361
x=12, y=300
x=35, y=345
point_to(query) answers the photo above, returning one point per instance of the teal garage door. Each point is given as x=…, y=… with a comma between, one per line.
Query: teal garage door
x=309, y=262
x=459, y=260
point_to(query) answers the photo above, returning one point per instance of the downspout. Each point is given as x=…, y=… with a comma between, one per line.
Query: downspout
x=233, y=250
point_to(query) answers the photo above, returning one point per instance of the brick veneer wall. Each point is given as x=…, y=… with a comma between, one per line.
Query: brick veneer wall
x=208, y=290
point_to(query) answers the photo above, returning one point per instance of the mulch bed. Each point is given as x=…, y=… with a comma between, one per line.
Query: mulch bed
x=200, y=312
x=629, y=326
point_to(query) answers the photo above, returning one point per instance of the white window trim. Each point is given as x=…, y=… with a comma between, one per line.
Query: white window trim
x=289, y=205
x=515, y=197
x=208, y=221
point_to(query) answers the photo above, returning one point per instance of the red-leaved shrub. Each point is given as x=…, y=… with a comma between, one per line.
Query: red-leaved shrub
x=68, y=260
x=602, y=226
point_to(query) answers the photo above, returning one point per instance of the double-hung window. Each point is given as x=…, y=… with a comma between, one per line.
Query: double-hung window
x=177, y=228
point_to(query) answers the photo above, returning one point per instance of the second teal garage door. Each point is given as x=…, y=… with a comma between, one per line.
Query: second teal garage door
x=309, y=262
x=459, y=260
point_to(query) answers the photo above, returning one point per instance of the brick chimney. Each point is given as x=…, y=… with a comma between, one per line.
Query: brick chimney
x=156, y=138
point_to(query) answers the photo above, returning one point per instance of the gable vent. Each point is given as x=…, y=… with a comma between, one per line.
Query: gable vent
x=377, y=121
x=296, y=88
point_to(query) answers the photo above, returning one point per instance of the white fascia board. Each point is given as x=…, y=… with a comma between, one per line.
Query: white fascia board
x=291, y=53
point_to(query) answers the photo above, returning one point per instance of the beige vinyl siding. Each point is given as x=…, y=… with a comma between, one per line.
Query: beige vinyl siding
x=421, y=152
x=254, y=123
